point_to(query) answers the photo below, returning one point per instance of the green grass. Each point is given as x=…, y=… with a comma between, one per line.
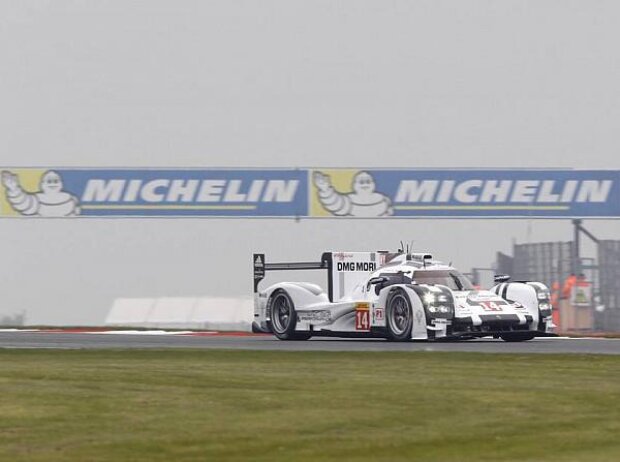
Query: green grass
x=113, y=405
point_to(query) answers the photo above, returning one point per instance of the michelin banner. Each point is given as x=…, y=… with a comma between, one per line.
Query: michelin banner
x=312, y=193
x=153, y=193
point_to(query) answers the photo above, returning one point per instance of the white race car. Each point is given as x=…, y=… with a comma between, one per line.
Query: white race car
x=399, y=296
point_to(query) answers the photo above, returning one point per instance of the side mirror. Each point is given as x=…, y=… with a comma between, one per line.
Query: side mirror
x=378, y=280
x=501, y=278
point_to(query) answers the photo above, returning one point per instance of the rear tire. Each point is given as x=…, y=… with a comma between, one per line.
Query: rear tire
x=284, y=317
x=399, y=316
x=517, y=336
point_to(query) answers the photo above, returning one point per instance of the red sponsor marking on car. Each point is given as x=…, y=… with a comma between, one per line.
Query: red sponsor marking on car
x=362, y=320
x=490, y=306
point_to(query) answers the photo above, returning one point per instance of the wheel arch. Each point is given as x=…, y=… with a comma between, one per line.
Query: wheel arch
x=525, y=293
x=289, y=331
x=302, y=293
x=418, y=329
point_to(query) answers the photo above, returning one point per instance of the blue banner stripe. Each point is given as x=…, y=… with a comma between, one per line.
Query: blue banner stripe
x=310, y=193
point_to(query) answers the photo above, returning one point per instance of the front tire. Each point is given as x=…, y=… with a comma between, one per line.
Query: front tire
x=284, y=317
x=517, y=336
x=399, y=316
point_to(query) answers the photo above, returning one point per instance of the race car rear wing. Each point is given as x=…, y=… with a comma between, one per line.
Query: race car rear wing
x=344, y=269
x=261, y=267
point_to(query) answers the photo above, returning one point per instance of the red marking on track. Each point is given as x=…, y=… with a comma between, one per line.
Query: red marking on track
x=104, y=330
x=223, y=334
x=76, y=330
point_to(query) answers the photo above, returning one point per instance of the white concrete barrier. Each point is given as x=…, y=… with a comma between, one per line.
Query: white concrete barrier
x=129, y=311
x=208, y=313
x=171, y=312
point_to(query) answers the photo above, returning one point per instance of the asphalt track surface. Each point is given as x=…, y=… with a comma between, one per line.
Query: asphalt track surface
x=266, y=342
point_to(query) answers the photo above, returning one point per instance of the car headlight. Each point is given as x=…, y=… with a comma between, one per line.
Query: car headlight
x=438, y=305
x=543, y=295
x=429, y=298
x=545, y=308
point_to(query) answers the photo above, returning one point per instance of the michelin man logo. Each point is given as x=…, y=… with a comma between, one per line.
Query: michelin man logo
x=49, y=201
x=363, y=201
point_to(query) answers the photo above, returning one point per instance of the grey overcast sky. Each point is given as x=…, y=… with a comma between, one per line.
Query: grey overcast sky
x=264, y=83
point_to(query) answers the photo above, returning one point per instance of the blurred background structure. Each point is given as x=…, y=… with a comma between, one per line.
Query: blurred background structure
x=585, y=290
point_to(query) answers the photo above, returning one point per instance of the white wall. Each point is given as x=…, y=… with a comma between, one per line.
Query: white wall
x=207, y=313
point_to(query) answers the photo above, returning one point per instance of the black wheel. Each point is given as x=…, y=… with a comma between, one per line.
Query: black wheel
x=399, y=316
x=284, y=317
x=517, y=336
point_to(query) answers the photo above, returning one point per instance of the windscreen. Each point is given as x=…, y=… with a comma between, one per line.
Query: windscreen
x=452, y=279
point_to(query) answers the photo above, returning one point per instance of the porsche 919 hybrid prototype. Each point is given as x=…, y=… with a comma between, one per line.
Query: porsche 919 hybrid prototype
x=399, y=296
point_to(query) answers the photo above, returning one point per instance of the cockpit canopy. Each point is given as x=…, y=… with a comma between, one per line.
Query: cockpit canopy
x=450, y=278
